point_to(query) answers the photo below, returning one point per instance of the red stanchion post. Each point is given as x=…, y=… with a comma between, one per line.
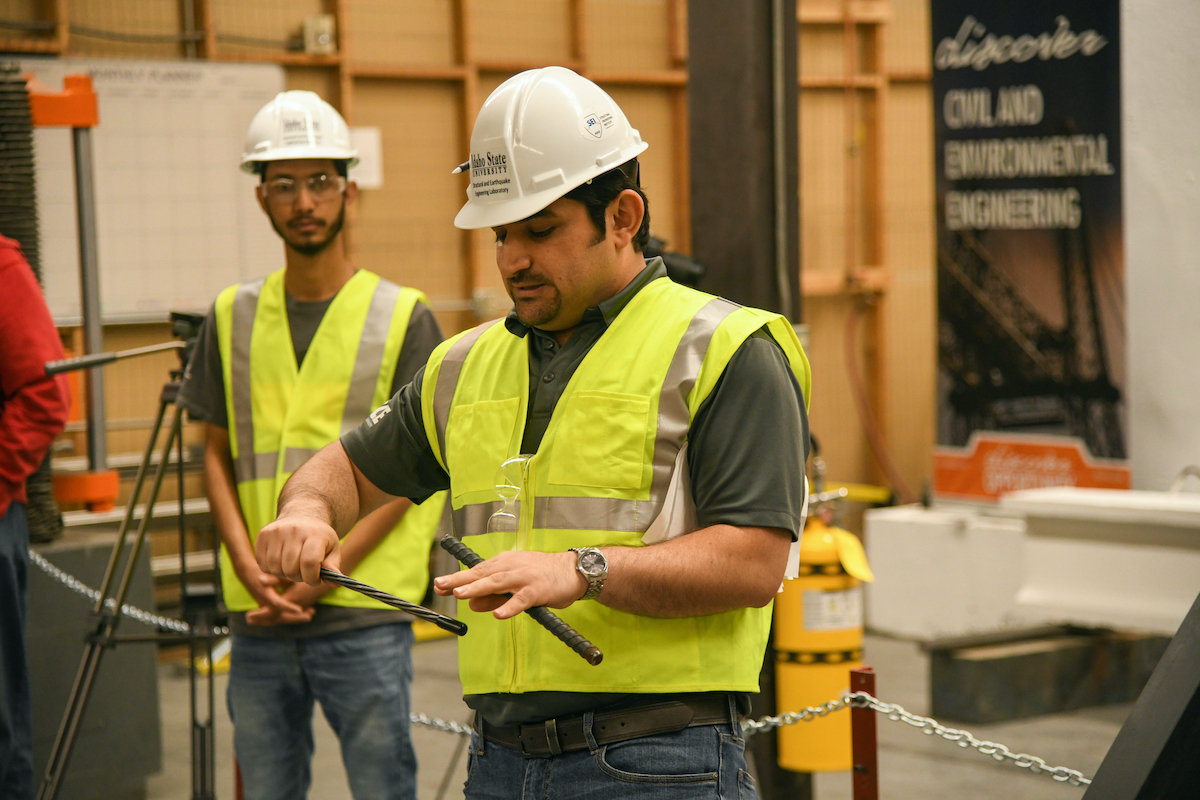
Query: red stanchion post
x=864, y=742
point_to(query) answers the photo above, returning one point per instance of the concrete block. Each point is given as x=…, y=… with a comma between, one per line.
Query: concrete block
x=942, y=572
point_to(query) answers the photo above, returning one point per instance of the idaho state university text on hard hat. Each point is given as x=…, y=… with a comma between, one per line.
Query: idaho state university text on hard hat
x=596, y=126
x=300, y=130
x=489, y=173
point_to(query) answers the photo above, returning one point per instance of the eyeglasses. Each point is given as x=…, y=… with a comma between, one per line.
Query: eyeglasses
x=320, y=188
x=510, y=482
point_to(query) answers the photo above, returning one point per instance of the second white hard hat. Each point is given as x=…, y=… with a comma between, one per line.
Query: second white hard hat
x=538, y=136
x=297, y=124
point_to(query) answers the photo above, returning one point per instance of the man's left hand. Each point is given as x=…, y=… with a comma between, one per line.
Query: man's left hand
x=533, y=579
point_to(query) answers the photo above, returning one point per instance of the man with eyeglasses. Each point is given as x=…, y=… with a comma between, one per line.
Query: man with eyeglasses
x=286, y=365
x=621, y=447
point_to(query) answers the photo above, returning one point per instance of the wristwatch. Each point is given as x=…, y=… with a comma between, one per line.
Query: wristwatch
x=593, y=566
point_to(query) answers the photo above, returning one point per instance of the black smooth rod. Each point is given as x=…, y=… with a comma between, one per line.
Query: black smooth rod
x=544, y=616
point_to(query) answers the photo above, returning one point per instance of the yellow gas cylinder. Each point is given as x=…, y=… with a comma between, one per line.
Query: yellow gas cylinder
x=818, y=640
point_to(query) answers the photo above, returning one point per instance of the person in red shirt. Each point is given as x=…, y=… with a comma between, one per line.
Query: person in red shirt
x=33, y=410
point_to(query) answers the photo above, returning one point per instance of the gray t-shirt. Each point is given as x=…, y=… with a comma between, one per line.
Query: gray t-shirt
x=203, y=395
x=747, y=446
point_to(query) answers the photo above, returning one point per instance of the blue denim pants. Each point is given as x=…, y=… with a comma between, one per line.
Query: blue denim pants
x=361, y=678
x=16, y=732
x=707, y=761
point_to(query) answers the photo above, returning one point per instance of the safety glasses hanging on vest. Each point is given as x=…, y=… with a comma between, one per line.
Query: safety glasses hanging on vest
x=510, y=486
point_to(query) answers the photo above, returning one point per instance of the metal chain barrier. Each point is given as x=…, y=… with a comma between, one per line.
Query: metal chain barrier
x=133, y=612
x=926, y=725
x=750, y=727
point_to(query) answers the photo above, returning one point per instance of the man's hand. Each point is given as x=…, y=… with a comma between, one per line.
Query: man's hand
x=533, y=579
x=300, y=594
x=296, y=547
x=272, y=606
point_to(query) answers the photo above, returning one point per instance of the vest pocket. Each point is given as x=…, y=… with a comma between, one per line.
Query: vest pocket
x=477, y=440
x=601, y=441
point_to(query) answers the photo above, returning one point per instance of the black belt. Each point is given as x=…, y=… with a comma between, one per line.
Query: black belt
x=566, y=734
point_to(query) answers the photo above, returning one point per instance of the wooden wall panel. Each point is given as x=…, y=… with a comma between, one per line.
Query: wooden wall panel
x=907, y=34
x=911, y=320
x=821, y=52
x=272, y=23
x=413, y=32
x=649, y=110
x=322, y=80
x=627, y=35
x=22, y=11
x=822, y=182
x=510, y=31
x=137, y=17
x=404, y=231
x=832, y=416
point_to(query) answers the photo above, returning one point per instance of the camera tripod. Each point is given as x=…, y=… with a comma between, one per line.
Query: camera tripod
x=198, y=601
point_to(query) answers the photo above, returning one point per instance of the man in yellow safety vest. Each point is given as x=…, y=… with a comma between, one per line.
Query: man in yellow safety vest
x=286, y=365
x=622, y=448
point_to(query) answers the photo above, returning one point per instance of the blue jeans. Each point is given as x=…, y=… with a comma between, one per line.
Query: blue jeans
x=707, y=761
x=361, y=678
x=16, y=715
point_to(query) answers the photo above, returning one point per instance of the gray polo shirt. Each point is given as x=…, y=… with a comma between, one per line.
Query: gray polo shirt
x=747, y=447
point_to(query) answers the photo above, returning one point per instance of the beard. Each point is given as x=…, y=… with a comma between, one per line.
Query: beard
x=314, y=247
x=535, y=312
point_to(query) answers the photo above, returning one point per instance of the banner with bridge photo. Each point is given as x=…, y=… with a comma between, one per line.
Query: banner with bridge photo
x=1031, y=295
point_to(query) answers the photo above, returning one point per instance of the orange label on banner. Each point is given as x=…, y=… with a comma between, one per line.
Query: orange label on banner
x=993, y=464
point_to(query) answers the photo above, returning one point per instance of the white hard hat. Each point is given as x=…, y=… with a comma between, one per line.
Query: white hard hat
x=297, y=124
x=538, y=136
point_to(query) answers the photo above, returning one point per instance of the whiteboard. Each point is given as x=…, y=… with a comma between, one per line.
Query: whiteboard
x=176, y=220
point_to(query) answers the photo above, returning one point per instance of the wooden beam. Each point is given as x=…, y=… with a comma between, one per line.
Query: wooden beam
x=874, y=82
x=515, y=66
x=578, y=34
x=208, y=24
x=833, y=12
x=62, y=25
x=664, y=77
x=454, y=72
x=345, y=76
x=677, y=40
x=464, y=29
x=834, y=283
x=49, y=46
x=283, y=59
x=680, y=166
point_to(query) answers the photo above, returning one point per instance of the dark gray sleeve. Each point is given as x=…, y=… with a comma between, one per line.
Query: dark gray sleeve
x=422, y=336
x=392, y=450
x=203, y=390
x=748, y=443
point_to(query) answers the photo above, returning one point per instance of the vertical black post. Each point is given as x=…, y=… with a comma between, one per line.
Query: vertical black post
x=743, y=97
x=743, y=94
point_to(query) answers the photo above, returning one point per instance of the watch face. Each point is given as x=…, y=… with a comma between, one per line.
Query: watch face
x=593, y=563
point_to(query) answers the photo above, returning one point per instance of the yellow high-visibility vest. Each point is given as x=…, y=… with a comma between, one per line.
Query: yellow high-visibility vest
x=279, y=416
x=601, y=475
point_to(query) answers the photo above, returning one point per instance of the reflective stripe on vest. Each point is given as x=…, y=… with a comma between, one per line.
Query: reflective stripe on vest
x=606, y=513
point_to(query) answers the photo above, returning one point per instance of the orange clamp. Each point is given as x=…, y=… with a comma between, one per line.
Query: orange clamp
x=75, y=106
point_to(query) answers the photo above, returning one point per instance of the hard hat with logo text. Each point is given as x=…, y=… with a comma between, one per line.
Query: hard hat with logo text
x=538, y=136
x=297, y=124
